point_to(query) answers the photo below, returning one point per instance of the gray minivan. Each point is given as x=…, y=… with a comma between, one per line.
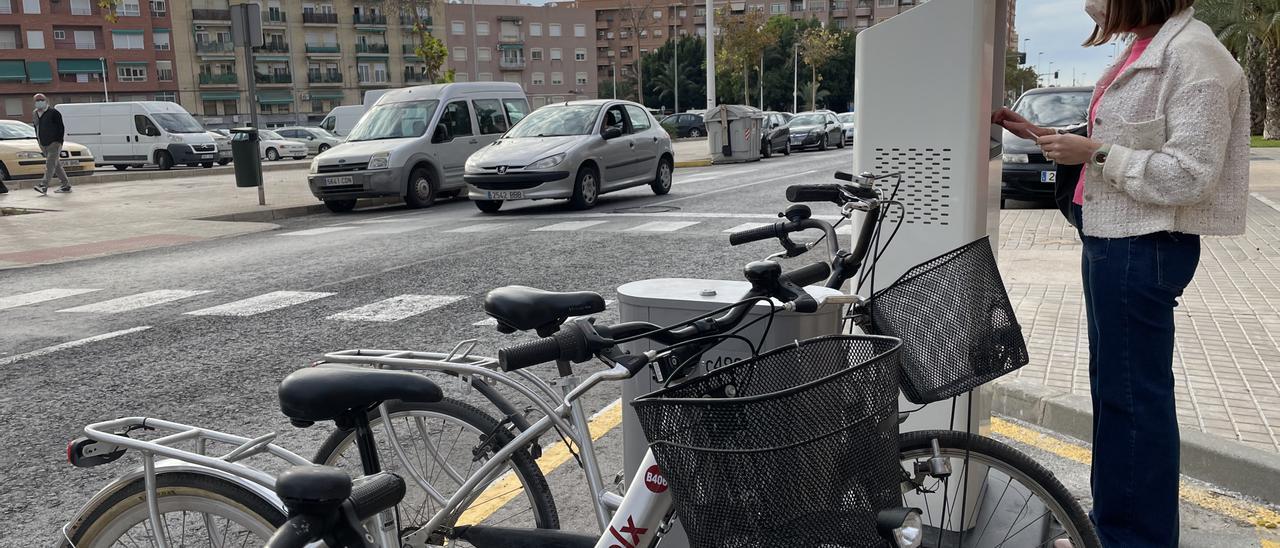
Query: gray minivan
x=414, y=143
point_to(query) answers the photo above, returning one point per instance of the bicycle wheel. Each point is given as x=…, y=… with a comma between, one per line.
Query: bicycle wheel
x=196, y=510
x=1013, y=502
x=445, y=442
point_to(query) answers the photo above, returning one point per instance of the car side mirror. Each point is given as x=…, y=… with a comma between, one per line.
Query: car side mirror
x=612, y=133
x=441, y=134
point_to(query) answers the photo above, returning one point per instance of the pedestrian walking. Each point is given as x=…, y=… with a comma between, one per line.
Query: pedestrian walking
x=1165, y=157
x=50, y=133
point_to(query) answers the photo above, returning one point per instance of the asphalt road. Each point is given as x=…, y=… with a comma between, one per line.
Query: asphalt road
x=350, y=274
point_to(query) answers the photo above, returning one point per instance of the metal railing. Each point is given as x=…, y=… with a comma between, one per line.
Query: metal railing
x=369, y=19
x=215, y=47
x=274, y=78
x=324, y=77
x=210, y=15
x=322, y=18
x=328, y=47
x=273, y=47
x=217, y=79
x=516, y=64
x=275, y=17
x=371, y=48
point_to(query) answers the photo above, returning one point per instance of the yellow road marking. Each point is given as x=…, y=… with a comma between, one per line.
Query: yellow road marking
x=1245, y=512
x=508, y=486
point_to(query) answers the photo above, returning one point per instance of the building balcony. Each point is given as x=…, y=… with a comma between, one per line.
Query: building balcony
x=506, y=64
x=372, y=48
x=274, y=18
x=320, y=18
x=206, y=48
x=369, y=19
x=374, y=83
x=324, y=78
x=841, y=12
x=415, y=77
x=409, y=49
x=210, y=15
x=862, y=11
x=604, y=23
x=324, y=48
x=273, y=78
x=218, y=79
x=273, y=47
x=699, y=20
x=409, y=20
x=517, y=39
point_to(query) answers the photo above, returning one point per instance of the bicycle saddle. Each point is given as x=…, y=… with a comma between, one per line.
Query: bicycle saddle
x=523, y=308
x=327, y=392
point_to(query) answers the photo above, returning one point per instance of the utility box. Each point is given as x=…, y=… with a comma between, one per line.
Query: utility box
x=247, y=157
x=733, y=133
x=670, y=300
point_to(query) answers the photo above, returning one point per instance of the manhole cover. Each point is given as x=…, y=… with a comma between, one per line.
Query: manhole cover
x=646, y=209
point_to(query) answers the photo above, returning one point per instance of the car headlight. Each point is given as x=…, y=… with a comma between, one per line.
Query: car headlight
x=1014, y=158
x=548, y=162
x=379, y=160
x=27, y=155
x=315, y=164
x=176, y=139
x=470, y=166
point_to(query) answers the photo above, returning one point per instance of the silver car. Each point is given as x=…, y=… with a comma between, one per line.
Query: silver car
x=576, y=150
x=846, y=122
x=317, y=140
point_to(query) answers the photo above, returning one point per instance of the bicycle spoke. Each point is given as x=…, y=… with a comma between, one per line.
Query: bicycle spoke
x=993, y=513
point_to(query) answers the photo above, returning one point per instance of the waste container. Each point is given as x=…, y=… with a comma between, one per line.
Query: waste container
x=247, y=156
x=670, y=300
x=733, y=133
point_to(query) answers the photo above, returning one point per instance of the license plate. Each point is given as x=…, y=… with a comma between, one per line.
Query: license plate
x=206, y=156
x=335, y=181
x=69, y=163
x=1048, y=176
x=505, y=195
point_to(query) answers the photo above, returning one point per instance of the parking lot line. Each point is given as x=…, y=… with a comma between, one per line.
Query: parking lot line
x=40, y=296
x=133, y=302
x=10, y=360
x=266, y=302
x=396, y=308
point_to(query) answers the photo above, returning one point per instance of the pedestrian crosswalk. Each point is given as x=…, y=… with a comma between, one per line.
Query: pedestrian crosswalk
x=397, y=308
x=40, y=296
x=134, y=302
x=715, y=224
x=266, y=302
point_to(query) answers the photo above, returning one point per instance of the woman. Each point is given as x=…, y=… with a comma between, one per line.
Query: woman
x=1165, y=161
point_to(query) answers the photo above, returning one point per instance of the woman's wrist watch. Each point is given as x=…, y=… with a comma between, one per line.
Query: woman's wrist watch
x=1099, y=156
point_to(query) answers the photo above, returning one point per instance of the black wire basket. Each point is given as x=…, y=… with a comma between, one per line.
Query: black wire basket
x=797, y=447
x=957, y=326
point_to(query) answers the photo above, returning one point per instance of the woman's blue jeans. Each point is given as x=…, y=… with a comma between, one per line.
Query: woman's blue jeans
x=1130, y=289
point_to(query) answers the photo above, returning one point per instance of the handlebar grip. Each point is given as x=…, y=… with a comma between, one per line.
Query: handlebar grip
x=298, y=532
x=774, y=230
x=809, y=275
x=815, y=193
x=528, y=354
x=378, y=493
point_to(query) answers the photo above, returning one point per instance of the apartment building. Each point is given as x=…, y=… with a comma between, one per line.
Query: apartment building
x=550, y=49
x=67, y=50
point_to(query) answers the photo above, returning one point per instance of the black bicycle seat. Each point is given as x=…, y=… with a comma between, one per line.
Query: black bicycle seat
x=327, y=392
x=524, y=308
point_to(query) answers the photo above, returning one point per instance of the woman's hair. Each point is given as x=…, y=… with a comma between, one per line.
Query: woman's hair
x=1126, y=15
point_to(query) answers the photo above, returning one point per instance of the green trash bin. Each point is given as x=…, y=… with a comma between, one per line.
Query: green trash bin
x=246, y=156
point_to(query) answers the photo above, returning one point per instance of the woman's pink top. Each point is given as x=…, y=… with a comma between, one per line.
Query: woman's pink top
x=1134, y=53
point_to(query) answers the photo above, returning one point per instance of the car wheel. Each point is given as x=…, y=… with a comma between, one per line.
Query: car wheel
x=662, y=183
x=768, y=149
x=695, y=132
x=121, y=167
x=822, y=143
x=206, y=165
x=840, y=141
x=272, y=154
x=786, y=149
x=164, y=161
x=422, y=188
x=488, y=206
x=322, y=149
x=586, y=190
x=224, y=161
x=340, y=206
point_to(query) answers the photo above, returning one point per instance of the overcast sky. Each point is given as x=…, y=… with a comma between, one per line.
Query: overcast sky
x=1057, y=27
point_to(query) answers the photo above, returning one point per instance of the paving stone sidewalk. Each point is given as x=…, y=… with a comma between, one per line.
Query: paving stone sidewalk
x=1227, y=359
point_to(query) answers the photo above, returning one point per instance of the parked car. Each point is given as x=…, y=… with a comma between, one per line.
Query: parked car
x=846, y=122
x=576, y=150
x=136, y=133
x=1027, y=174
x=414, y=143
x=224, y=147
x=21, y=157
x=273, y=146
x=316, y=139
x=686, y=125
x=774, y=135
x=341, y=120
x=817, y=129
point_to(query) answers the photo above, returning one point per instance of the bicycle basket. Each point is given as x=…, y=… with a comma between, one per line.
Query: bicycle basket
x=797, y=447
x=957, y=327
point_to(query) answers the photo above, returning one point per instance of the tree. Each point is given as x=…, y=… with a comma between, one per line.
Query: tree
x=659, y=73
x=743, y=39
x=433, y=54
x=817, y=46
x=1251, y=30
x=1017, y=79
x=637, y=17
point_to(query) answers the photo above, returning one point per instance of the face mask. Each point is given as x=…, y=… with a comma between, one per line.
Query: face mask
x=42, y=105
x=1097, y=9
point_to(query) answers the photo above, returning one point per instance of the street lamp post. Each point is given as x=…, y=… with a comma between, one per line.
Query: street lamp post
x=711, y=54
x=795, y=77
x=675, y=69
x=105, y=97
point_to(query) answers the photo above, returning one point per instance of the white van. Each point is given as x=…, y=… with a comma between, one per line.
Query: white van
x=342, y=119
x=414, y=143
x=138, y=133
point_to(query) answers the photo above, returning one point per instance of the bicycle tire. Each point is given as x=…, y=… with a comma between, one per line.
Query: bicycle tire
x=175, y=490
x=532, y=481
x=1010, y=463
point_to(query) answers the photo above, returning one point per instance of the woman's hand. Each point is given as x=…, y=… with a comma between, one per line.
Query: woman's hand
x=1017, y=125
x=1068, y=148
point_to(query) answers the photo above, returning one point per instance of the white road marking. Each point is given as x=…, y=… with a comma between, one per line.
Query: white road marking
x=746, y=226
x=134, y=302
x=40, y=296
x=10, y=360
x=569, y=225
x=662, y=226
x=266, y=302
x=321, y=230
x=381, y=221
x=487, y=322
x=1265, y=200
x=479, y=228
x=399, y=229
x=396, y=308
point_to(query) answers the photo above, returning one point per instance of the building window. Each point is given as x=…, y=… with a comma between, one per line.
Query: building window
x=126, y=41
x=131, y=73
x=554, y=30
x=210, y=108
x=483, y=54
x=161, y=40
x=85, y=39
x=459, y=54
x=59, y=35
x=657, y=14
x=128, y=8
x=461, y=77
x=482, y=28
x=485, y=77
x=158, y=8
x=700, y=12
x=657, y=33
x=887, y=3
x=557, y=78
x=13, y=106
x=164, y=71
x=557, y=54
x=580, y=54
x=535, y=54
x=539, y=78
x=30, y=6
x=777, y=9
x=362, y=72
x=166, y=96
x=582, y=78
x=459, y=27
x=684, y=13
x=35, y=39
x=535, y=29
x=81, y=7
x=580, y=31
x=513, y=77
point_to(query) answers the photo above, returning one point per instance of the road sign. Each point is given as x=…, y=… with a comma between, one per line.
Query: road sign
x=246, y=19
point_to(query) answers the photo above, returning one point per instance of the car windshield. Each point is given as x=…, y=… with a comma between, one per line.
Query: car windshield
x=177, y=122
x=808, y=120
x=16, y=131
x=553, y=121
x=395, y=121
x=1055, y=109
x=268, y=134
x=846, y=117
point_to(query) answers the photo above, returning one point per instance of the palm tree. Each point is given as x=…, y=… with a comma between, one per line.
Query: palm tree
x=1251, y=30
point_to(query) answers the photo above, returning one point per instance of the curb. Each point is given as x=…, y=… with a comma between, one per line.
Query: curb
x=1223, y=462
x=127, y=176
x=694, y=163
x=275, y=214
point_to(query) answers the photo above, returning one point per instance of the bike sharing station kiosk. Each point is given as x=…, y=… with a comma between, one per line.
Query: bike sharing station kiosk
x=926, y=83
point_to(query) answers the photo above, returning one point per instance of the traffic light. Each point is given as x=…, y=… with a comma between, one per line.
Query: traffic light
x=1055, y=75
